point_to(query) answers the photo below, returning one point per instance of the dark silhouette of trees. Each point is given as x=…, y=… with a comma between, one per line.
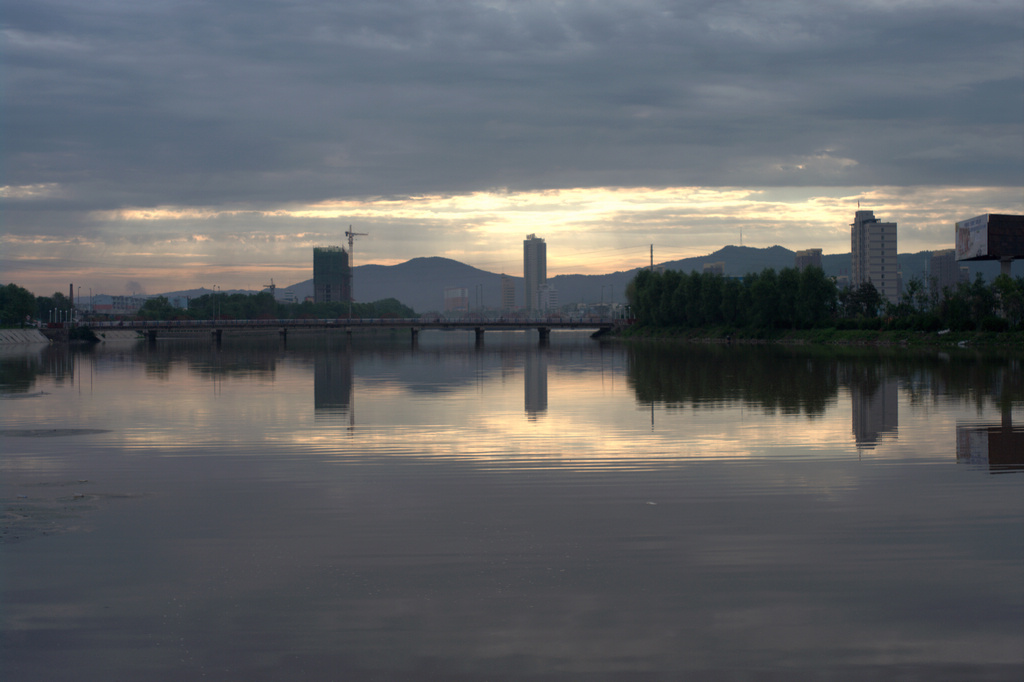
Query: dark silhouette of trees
x=808, y=299
x=1010, y=293
x=158, y=308
x=45, y=305
x=262, y=306
x=16, y=304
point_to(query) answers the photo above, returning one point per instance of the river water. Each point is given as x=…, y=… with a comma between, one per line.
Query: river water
x=369, y=510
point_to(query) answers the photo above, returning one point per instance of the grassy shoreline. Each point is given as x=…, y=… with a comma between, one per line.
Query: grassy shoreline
x=836, y=337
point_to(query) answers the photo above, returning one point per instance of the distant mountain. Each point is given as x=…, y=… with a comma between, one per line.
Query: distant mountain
x=202, y=291
x=739, y=260
x=420, y=283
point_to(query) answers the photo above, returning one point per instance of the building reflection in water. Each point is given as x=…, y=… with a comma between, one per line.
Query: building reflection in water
x=875, y=411
x=332, y=386
x=536, y=384
x=1000, y=447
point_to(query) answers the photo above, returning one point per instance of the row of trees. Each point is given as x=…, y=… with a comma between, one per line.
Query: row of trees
x=264, y=306
x=18, y=305
x=807, y=299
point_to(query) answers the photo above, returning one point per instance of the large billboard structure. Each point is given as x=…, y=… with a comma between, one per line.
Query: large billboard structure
x=993, y=236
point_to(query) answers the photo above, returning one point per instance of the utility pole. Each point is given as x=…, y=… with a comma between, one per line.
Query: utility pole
x=351, y=264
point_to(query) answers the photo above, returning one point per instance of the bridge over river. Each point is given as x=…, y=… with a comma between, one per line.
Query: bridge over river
x=153, y=329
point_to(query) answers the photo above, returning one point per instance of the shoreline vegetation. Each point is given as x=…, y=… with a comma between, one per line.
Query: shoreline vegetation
x=805, y=306
x=831, y=336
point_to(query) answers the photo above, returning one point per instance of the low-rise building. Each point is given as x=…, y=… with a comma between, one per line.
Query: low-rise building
x=808, y=258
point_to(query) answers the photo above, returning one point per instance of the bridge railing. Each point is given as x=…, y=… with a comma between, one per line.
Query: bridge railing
x=421, y=322
x=379, y=321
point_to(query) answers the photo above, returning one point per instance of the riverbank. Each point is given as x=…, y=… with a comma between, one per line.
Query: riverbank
x=14, y=337
x=835, y=337
x=21, y=337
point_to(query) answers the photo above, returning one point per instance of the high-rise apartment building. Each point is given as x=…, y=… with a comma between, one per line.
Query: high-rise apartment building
x=535, y=270
x=873, y=255
x=332, y=278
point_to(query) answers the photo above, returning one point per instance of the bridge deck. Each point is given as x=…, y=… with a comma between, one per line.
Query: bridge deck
x=510, y=323
x=414, y=324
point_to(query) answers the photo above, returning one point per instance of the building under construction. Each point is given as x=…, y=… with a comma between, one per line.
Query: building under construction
x=332, y=276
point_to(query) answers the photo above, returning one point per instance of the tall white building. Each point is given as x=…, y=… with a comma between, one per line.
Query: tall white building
x=535, y=270
x=873, y=255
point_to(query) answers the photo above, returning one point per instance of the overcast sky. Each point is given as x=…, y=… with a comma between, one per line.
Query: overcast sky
x=160, y=145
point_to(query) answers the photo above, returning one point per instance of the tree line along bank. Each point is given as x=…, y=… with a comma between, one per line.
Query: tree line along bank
x=19, y=307
x=793, y=299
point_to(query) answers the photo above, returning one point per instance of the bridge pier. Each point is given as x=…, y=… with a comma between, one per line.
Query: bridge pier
x=545, y=335
x=151, y=337
x=415, y=337
x=217, y=333
x=479, y=333
x=284, y=334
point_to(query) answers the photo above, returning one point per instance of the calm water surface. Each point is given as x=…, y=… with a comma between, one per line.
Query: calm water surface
x=371, y=511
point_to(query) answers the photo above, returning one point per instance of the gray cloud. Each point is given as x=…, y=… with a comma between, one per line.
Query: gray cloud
x=243, y=106
x=215, y=103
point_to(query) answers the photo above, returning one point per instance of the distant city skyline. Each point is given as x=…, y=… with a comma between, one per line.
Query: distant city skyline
x=143, y=155
x=577, y=253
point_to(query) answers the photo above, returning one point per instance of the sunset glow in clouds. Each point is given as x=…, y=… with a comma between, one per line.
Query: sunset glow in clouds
x=178, y=146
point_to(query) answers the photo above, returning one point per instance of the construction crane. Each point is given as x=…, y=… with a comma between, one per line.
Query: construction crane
x=351, y=263
x=352, y=235
x=270, y=286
